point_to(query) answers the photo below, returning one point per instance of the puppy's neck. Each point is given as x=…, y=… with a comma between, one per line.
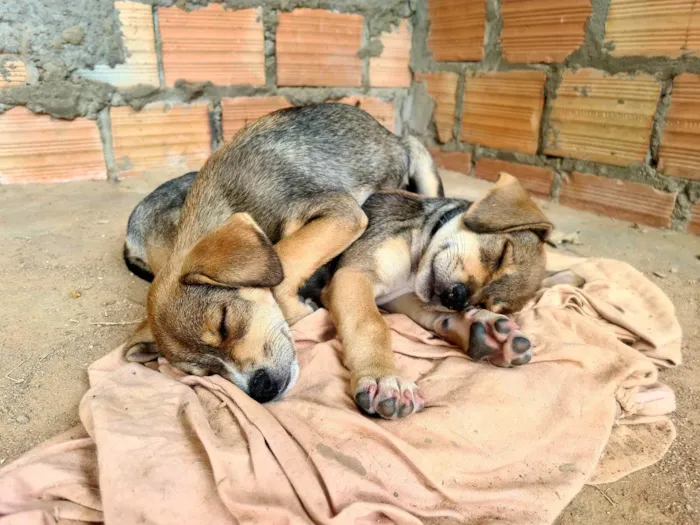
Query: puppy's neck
x=435, y=226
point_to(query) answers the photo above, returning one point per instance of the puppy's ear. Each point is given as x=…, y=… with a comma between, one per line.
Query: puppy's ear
x=141, y=346
x=237, y=254
x=507, y=208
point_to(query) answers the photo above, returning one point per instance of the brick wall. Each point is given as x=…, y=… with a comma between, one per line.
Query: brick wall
x=192, y=75
x=594, y=104
x=591, y=103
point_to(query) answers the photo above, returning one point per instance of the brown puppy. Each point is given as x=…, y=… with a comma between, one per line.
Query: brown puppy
x=498, y=268
x=442, y=262
x=222, y=296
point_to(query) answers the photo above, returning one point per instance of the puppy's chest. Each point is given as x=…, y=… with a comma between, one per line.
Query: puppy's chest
x=398, y=291
x=395, y=272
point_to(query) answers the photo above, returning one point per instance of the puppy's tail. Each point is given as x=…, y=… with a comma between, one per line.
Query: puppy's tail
x=422, y=173
x=137, y=265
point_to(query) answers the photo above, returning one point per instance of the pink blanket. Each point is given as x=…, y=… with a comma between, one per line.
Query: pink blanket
x=493, y=445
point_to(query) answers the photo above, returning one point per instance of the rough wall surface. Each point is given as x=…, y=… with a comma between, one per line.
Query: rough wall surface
x=618, y=115
x=144, y=84
x=578, y=98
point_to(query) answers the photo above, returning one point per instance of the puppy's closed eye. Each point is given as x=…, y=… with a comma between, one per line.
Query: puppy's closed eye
x=505, y=256
x=223, y=329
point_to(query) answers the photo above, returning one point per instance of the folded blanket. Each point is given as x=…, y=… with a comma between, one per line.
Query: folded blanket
x=493, y=445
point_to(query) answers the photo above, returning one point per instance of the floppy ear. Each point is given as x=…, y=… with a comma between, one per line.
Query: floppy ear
x=507, y=207
x=237, y=254
x=141, y=346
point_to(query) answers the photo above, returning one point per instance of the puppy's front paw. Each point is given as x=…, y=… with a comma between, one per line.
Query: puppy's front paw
x=293, y=309
x=388, y=396
x=484, y=335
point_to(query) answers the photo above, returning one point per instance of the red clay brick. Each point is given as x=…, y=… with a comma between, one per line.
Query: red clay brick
x=236, y=113
x=442, y=87
x=391, y=68
x=603, y=118
x=457, y=29
x=38, y=148
x=534, y=179
x=460, y=161
x=503, y=110
x=141, y=65
x=542, y=30
x=319, y=48
x=628, y=201
x=653, y=27
x=213, y=44
x=159, y=136
x=679, y=154
x=13, y=72
x=381, y=110
x=694, y=224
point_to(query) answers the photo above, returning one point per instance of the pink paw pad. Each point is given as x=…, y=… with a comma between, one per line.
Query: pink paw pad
x=486, y=336
x=389, y=397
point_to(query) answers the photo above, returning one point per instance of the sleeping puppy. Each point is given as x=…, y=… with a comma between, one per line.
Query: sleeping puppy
x=439, y=261
x=452, y=266
x=223, y=296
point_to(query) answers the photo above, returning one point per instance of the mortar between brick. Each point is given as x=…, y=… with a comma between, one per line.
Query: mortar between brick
x=459, y=105
x=159, y=48
x=659, y=120
x=377, y=17
x=364, y=56
x=104, y=125
x=215, y=127
x=554, y=78
x=493, y=53
x=270, y=22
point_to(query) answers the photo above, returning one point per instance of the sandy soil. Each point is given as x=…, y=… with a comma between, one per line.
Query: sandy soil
x=61, y=275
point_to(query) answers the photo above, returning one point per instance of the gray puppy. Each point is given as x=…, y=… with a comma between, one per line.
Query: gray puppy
x=222, y=295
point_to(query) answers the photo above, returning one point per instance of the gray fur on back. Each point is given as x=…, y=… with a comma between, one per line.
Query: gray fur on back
x=272, y=168
x=278, y=169
x=156, y=215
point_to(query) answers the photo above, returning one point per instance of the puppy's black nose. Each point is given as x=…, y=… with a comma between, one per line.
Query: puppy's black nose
x=455, y=298
x=262, y=387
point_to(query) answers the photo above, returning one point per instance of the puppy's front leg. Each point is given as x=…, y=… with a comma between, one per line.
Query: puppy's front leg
x=324, y=230
x=375, y=383
x=483, y=335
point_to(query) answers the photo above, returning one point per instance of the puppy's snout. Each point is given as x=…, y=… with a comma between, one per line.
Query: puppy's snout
x=263, y=387
x=455, y=298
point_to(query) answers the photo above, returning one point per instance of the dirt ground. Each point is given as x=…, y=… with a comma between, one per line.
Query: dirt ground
x=62, y=281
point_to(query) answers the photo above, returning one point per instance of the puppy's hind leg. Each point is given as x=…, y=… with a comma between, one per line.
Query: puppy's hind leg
x=323, y=230
x=422, y=173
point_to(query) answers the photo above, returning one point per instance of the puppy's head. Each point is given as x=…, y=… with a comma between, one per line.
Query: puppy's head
x=492, y=256
x=212, y=312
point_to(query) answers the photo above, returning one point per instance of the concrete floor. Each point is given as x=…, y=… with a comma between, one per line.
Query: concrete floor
x=61, y=273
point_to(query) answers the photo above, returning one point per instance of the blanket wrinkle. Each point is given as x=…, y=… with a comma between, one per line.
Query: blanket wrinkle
x=493, y=445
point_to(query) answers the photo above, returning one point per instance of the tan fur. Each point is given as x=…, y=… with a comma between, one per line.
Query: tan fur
x=468, y=264
x=310, y=247
x=382, y=270
x=392, y=262
x=292, y=227
x=302, y=174
x=507, y=208
x=365, y=335
x=158, y=255
x=235, y=254
x=239, y=260
x=410, y=305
